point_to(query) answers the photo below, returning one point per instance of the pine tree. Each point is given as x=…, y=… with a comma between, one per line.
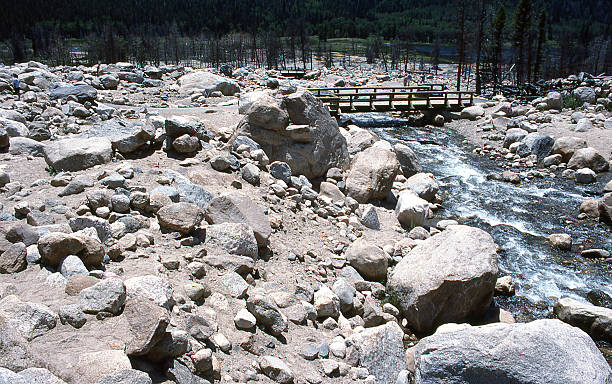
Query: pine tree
x=522, y=27
x=540, y=46
x=479, y=39
x=497, y=31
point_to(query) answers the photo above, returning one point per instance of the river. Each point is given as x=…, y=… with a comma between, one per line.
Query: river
x=519, y=217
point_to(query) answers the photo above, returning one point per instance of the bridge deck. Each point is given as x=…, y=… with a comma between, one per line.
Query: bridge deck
x=388, y=99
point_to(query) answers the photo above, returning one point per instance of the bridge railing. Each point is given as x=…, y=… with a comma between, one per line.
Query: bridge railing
x=391, y=99
x=352, y=90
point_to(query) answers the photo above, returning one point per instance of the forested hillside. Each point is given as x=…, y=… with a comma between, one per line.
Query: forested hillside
x=141, y=30
x=415, y=20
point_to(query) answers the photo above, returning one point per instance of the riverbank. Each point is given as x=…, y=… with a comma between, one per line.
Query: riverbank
x=171, y=225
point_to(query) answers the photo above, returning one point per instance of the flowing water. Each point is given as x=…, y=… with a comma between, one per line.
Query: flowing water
x=518, y=217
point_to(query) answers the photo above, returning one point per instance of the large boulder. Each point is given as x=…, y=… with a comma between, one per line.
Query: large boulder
x=15, y=353
x=147, y=325
x=514, y=135
x=82, y=92
x=247, y=99
x=125, y=137
x=407, y=158
x=424, y=185
x=239, y=208
x=235, y=238
x=176, y=126
x=106, y=296
x=32, y=320
x=585, y=94
x=554, y=100
x=567, y=145
x=449, y=277
x=26, y=146
x=77, y=154
x=369, y=259
x=297, y=130
x=372, y=174
x=539, y=144
x=358, y=139
x=543, y=351
x=473, y=112
x=410, y=209
x=14, y=128
x=588, y=158
x=151, y=287
x=207, y=82
x=596, y=321
x=380, y=350
x=180, y=217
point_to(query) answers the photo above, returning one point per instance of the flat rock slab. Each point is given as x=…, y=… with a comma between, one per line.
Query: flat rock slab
x=78, y=154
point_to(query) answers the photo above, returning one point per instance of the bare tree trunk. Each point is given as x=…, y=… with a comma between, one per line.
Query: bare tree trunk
x=461, y=41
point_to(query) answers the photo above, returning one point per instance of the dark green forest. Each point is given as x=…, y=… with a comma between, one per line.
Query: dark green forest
x=142, y=30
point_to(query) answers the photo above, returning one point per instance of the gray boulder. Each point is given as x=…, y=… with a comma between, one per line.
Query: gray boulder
x=539, y=144
x=154, y=288
x=276, y=369
x=207, y=82
x=372, y=174
x=588, y=158
x=26, y=146
x=543, y=351
x=10, y=377
x=194, y=194
x=239, y=208
x=109, y=81
x=126, y=376
x=267, y=314
x=14, y=128
x=77, y=154
x=40, y=376
x=368, y=259
x=596, y=321
x=449, y=277
x=514, y=135
x=125, y=137
x=235, y=238
x=567, y=145
x=15, y=353
x=131, y=77
x=298, y=130
x=410, y=209
x=176, y=126
x=30, y=319
x=424, y=185
x=554, y=100
x=381, y=350
x=4, y=139
x=82, y=92
x=407, y=158
x=472, y=113
x=585, y=94
x=106, y=296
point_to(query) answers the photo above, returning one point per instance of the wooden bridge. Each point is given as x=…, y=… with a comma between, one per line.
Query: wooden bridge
x=293, y=73
x=389, y=99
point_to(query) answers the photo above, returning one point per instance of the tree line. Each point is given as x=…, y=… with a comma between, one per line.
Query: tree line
x=540, y=38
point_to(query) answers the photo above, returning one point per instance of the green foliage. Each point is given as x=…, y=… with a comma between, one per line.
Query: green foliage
x=392, y=298
x=571, y=101
x=51, y=171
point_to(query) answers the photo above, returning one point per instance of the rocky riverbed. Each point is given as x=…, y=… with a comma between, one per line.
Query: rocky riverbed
x=171, y=225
